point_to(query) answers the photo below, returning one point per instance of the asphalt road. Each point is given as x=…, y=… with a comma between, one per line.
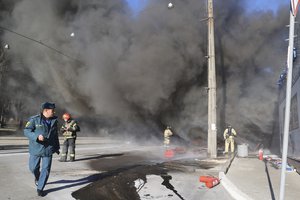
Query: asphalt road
x=108, y=165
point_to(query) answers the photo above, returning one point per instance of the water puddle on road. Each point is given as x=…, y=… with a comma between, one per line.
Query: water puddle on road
x=125, y=179
x=132, y=183
x=157, y=187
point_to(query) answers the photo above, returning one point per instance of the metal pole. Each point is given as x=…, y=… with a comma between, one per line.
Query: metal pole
x=212, y=111
x=287, y=106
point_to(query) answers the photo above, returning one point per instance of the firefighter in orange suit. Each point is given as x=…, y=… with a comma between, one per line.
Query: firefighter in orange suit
x=229, y=135
x=69, y=129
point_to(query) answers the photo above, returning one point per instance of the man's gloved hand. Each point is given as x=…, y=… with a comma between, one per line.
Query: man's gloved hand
x=58, y=152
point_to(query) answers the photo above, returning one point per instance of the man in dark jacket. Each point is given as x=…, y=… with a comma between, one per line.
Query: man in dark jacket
x=41, y=130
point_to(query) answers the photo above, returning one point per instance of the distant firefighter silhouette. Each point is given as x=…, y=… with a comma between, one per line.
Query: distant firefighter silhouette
x=167, y=134
x=229, y=135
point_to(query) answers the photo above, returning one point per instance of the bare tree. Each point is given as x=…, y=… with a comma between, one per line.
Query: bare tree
x=3, y=80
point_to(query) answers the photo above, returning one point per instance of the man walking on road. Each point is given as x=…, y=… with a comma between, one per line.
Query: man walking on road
x=229, y=135
x=69, y=129
x=41, y=130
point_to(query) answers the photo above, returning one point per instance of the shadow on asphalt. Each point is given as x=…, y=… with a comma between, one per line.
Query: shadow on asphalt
x=88, y=179
x=72, y=183
x=13, y=147
x=119, y=184
x=100, y=156
x=4, y=153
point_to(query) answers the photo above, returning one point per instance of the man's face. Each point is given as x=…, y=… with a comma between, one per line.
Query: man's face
x=65, y=119
x=48, y=113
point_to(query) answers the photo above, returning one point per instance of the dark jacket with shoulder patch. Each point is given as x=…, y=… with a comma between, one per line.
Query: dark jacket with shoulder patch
x=37, y=126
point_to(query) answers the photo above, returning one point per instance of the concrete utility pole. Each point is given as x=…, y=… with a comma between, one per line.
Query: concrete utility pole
x=212, y=105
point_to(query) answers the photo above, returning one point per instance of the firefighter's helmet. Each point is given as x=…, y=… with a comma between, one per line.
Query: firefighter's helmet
x=66, y=116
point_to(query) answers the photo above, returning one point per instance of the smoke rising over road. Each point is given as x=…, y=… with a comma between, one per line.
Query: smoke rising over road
x=141, y=71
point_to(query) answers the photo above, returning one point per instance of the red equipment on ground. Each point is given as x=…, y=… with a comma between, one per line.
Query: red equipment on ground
x=261, y=154
x=180, y=150
x=209, y=181
x=169, y=153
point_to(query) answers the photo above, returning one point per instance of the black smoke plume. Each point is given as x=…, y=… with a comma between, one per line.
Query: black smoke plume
x=138, y=72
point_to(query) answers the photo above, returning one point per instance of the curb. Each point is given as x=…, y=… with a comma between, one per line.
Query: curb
x=229, y=186
x=232, y=189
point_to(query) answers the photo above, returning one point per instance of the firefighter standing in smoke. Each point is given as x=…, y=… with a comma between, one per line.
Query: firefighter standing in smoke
x=167, y=134
x=69, y=129
x=41, y=130
x=229, y=135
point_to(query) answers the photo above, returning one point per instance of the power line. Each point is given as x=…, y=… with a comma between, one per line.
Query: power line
x=41, y=43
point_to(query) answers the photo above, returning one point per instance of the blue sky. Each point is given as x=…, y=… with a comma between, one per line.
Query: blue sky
x=252, y=4
x=265, y=4
x=137, y=4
